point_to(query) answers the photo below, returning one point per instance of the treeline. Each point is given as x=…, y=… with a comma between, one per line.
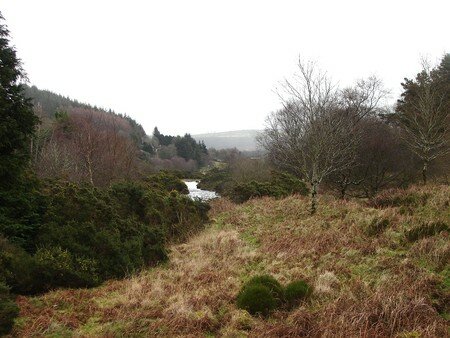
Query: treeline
x=47, y=104
x=85, y=143
x=78, y=203
x=181, y=153
x=346, y=140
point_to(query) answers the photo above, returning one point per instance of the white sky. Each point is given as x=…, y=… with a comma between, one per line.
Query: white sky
x=204, y=66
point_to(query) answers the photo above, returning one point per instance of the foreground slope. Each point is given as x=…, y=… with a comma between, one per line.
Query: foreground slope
x=379, y=270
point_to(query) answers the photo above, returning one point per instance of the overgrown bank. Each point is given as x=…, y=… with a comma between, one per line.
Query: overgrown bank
x=370, y=275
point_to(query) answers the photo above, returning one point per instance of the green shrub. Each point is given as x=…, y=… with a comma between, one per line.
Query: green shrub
x=17, y=267
x=58, y=267
x=166, y=181
x=216, y=179
x=257, y=299
x=296, y=291
x=8, y=310
x=288, y=183
x=21, y=208
x=271, y=283
x=87, y=235
x=426, y=230
x=280, y=185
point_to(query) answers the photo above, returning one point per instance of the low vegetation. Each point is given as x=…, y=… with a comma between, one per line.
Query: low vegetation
x=378, y=284
x=85, y=235
x=263, y=294
x=8, y=310
x=227, y=183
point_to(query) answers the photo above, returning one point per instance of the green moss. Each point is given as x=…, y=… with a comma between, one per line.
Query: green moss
x=257, y=299
x=296, y=291
x=271, y=283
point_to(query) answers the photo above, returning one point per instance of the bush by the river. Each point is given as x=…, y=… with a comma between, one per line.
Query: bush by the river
x=278, y=185
x=82, y=235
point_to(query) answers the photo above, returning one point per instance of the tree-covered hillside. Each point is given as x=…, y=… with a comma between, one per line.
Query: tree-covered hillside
x=48, y=104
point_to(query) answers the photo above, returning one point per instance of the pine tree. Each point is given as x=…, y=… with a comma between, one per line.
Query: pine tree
x=17, y=120
x=423, y=113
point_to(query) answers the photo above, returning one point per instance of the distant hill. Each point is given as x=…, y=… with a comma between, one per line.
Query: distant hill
x=47, y=103
x=244, y=140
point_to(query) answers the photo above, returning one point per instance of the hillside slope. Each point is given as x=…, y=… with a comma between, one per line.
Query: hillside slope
x=244, y=140
x=379, y=270
x=47, y=103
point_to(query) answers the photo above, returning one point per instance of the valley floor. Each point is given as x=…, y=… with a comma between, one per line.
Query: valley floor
x=378, y=271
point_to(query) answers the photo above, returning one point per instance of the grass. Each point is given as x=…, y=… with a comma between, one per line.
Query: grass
x=369, y=279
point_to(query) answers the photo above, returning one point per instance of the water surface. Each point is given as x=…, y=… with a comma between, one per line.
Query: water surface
x=195, y=192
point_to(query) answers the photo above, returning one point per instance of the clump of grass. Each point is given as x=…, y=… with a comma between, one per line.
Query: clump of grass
x=398, y=198
x=254, y=298
x=257, y=299
x=377, y=226
x=426, y=230
x=271, y=283
x=296, y=291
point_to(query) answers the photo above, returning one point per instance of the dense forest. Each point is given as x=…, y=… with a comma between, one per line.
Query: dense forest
x=87, y=197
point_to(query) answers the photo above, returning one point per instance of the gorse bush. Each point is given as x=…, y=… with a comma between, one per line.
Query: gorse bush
x=277, y=185
x=216, y=179
x=8, y=310
x=296, y=291
x=263, y=294
x=167, y=181
x=85, y=235
x=280, y=185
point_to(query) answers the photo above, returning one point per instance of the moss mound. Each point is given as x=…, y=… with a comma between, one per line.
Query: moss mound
x=271, y=283
x=257, y=299
x=296, y=291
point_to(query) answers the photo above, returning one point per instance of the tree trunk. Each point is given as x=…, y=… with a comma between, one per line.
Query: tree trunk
x=424, y=172
x=313, y=197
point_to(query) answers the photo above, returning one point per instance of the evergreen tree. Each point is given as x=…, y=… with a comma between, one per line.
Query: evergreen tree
x=423, y=113
x=17, y=120
x=19, y=205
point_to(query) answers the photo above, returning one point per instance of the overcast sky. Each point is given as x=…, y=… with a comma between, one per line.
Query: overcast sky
x=206, y=66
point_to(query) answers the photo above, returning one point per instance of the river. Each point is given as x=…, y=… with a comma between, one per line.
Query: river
x=195, y=192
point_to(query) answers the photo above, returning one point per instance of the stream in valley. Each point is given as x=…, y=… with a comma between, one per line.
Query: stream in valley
x=195, y=192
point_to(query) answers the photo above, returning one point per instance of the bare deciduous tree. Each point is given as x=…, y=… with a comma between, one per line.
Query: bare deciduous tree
x=315, y=134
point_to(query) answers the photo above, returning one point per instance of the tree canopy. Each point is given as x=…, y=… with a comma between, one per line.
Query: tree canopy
x=17, y=121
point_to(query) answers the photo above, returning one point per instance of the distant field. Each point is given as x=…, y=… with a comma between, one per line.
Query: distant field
x=244, y=140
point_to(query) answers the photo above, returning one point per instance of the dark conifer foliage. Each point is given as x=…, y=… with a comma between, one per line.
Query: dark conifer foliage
x=423, y=113
x=17, y=121
x=186, y=146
